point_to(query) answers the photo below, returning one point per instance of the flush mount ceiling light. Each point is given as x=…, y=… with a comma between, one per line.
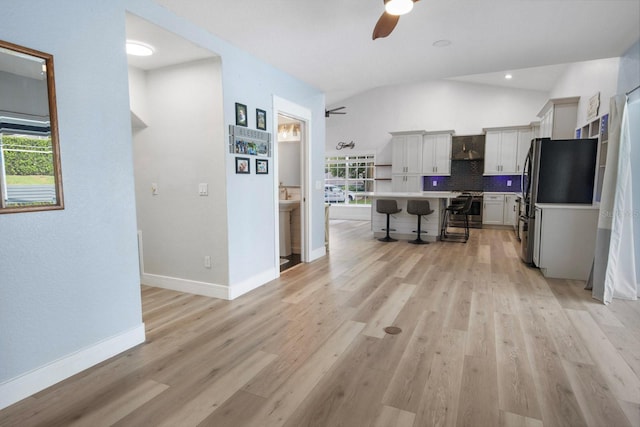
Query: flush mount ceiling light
x=398, y=7
x=138, y=49
x=508, y=76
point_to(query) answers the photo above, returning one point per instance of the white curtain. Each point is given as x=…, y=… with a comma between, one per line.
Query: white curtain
x=620, y=277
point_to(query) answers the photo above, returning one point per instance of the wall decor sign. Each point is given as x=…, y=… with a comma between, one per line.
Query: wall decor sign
x=243, y=165
x=262, y=166
x=241, y=115
x=249, y=141
x=593, y=106
x=261, y=119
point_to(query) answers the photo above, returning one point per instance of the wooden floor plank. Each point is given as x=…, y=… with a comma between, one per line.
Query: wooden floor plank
x=484, y=337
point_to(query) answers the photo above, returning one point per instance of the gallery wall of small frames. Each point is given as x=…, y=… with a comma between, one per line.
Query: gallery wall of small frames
x=244, y=141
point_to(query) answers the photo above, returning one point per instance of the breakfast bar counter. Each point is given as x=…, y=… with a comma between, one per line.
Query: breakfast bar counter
x=403, y=225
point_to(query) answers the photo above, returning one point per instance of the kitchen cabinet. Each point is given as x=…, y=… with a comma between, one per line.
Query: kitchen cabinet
x=406, y=152
x=558, y=118
x=436, y=154
x=406, y=161
x=510, y=212
x=493, y=209
x=524, y=142
x=500, y=152
x=565, y=240
x=406, y=183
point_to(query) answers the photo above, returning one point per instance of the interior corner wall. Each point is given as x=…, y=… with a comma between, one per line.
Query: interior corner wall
x=585, y=79
x=434, y=105
x=182, y=147
x=69, y=287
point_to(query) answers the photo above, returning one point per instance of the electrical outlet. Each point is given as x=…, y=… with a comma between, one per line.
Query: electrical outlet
x=203, y=189
x=207, y=261
x=435, y=183
x=508, y=183
x=154, y=188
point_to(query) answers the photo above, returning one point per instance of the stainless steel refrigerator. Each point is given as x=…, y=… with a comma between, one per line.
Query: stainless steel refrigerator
x=555, y=171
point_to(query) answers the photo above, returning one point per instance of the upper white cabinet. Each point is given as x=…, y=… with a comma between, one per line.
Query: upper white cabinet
x=506, y=149
x=558, y=118
x=406, y=183
x=407, y=152
x=501, y=147
x=524, y=142
x=436, y=153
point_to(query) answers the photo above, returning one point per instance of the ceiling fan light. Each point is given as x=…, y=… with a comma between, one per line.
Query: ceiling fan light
x=398, y=7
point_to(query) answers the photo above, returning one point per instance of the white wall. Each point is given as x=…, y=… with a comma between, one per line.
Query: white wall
x=182, y=147
x=70, y=278
x=24, y=95
x=138, y=97
x=585, y=79
x=69, y=281
x=435, y=105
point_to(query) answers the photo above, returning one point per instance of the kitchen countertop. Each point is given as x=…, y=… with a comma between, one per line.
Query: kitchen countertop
x=565, y=206
x=416, y=195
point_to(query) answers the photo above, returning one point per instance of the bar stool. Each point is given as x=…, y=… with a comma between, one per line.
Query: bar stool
x=456, y=209
x=388, y=207
x=419, y=208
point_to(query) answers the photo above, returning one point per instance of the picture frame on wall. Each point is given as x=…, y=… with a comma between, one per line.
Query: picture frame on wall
x=243, y=165
x=241, y=115
x=261, y=119
x=262, y=166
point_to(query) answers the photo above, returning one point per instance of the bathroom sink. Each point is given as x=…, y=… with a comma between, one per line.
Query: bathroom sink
x=289, y=205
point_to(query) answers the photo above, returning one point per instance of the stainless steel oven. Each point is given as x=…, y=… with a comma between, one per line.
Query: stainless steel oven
x=475, y=213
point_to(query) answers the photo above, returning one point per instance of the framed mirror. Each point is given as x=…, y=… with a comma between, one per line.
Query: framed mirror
x=30, y=176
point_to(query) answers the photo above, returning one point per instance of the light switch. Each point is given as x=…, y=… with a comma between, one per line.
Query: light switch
x=203, y=189
x=154, y=188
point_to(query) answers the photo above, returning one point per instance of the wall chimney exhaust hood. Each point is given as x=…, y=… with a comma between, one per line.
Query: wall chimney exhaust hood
x=468, y=147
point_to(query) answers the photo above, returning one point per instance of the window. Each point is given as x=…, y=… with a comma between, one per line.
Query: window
x=349, y=179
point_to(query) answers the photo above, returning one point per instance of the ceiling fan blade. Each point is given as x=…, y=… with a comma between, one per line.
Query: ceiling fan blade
x=385, y=25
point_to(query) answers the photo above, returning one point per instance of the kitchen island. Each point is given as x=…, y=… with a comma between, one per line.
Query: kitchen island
x=404, y=223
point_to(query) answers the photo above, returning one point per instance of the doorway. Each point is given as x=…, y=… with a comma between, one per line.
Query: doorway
x=289, y=138
x=292, y=124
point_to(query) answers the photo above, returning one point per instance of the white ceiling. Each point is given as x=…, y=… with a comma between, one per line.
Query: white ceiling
x=327, y=43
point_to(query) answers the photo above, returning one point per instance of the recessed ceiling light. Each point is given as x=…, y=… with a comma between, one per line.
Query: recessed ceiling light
x=138, y=49
x=508, y=76
x=442, y=43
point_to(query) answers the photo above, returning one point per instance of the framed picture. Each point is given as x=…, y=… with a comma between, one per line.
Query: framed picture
x=241, y=115
x=262, y=166
x=243, y=165
x=261, y=119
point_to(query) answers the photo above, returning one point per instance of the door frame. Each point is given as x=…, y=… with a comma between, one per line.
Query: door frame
x=295, y=111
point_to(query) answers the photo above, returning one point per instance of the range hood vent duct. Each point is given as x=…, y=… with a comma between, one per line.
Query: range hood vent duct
x=470, y=147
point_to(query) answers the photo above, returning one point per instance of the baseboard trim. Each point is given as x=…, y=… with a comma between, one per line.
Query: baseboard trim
x=317, y=253
x=37, y=380
x=184, y=285
x=252, y=283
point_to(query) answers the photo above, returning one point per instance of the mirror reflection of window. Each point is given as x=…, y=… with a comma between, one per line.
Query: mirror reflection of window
x=29, y=156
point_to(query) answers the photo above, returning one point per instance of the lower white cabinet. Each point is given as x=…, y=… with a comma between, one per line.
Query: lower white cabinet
x=565, y=240
x=493, y=209
x=510, y=210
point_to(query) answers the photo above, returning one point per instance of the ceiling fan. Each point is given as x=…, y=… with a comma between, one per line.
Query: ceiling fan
x=327, y=113
x=389, y=19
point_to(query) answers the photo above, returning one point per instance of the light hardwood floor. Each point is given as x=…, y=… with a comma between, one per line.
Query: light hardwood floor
x=485, y=341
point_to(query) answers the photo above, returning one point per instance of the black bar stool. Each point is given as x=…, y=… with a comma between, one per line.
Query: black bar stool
x=388, y=207
x=419, y=208
x=456, y=209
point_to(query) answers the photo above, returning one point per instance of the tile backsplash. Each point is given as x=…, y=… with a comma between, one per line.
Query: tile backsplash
x=467, y=175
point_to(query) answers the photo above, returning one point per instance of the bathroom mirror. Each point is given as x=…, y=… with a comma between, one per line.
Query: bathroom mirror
x=30, y=177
